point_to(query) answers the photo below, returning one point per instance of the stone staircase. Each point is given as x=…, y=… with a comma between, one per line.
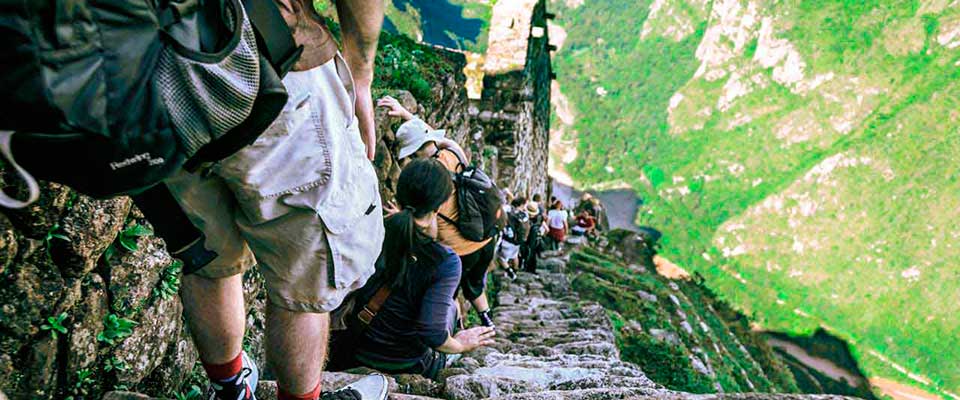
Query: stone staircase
x=550, y=345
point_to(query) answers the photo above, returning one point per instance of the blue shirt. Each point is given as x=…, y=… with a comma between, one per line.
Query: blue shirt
x=413, y=319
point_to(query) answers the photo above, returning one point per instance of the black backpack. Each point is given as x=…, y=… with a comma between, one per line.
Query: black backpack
x=478, y=204
x=517, y=228
x=93, y=96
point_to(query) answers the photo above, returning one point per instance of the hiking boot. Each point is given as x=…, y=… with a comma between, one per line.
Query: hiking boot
x=242, y=387
x=486, y=319
x=511, y=273
x=371, y=387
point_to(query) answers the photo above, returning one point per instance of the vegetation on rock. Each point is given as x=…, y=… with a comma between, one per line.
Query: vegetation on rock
x=798, y=154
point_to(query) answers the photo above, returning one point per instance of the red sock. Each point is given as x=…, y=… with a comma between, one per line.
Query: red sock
x=222, y=372
x=311, y=395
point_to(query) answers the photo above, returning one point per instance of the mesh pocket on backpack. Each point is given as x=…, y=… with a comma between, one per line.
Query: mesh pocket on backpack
x=208, y=94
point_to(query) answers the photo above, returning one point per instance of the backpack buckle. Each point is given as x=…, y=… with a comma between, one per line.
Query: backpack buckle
x=366, y=316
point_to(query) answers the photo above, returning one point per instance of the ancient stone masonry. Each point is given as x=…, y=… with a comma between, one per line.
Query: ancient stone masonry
x=550, y=345
x=514, y=109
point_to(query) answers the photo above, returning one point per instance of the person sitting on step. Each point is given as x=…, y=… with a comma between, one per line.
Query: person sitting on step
x=402, y=320
x=417, y=140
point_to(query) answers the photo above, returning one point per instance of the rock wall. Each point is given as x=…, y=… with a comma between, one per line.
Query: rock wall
x=514, y=109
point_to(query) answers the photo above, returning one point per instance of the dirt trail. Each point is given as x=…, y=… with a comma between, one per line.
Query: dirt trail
x=900, y=391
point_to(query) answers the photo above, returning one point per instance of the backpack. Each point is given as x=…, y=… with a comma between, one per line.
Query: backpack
x=110, y=97
x=517, y=228
x=478, y=204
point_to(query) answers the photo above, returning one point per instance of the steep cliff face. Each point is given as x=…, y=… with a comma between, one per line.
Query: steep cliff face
x=799, y=154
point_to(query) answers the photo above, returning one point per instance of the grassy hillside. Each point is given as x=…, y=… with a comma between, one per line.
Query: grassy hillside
x=677, y=331
x=801, y=155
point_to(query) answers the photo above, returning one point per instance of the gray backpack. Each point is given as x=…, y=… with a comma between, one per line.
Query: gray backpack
x=112, y=96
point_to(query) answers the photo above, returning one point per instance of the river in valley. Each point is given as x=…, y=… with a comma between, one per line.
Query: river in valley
x=443, y=23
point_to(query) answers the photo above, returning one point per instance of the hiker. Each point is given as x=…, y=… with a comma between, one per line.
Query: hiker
x=537, y=198
x=586, y=225
x=557, y=223
x=402, y=320
x=302, y=202
x=418, y=140
x=532, y=247
x=516, y=230
x=504, y=260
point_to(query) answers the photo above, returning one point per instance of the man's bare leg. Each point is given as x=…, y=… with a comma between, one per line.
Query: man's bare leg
x=215, y=315
x=296, y=347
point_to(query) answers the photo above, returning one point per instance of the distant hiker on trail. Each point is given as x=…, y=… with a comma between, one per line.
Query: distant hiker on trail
x=586, y=225
x=403, y=319
x=530, y=250
x=504, y=263
x=302, y=203
x=592, y=205
x=514, y=234
x=537, y=198
x=557, y=222
x=507, y=200
x=417, y=141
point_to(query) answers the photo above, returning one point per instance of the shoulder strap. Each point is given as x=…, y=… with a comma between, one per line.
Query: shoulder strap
x=370, y=310
x=448, y=219
x=462, y=163
x=275, y=37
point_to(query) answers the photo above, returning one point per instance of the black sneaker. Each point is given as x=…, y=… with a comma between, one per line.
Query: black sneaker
x=371, y=387
x=486, y=319
x=511, y=273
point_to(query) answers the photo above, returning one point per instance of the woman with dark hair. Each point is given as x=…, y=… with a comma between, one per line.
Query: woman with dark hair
x=402, y=320
x=557, y=222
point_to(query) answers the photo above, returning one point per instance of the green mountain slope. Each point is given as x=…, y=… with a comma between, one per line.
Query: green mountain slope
x=802, y=155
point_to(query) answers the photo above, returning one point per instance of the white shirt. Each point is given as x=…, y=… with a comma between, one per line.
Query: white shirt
x=556, y=219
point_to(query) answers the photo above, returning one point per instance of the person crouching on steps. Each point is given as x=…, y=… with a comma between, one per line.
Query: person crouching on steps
x=417, y=141
x=402, y=320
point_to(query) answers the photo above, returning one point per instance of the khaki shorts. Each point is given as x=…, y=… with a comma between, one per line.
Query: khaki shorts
x=302, y=202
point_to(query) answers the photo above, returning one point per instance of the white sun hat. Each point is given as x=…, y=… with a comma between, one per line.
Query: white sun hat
x=413, y=134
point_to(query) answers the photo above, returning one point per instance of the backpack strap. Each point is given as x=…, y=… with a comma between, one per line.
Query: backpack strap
x=183, y=239
x=33, y=188
x=273, y=35
x=370, y=310
x=449, y=220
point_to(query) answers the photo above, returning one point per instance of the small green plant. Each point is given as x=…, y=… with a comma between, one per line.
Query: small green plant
x=114, y=363
x=79, y=387
x=55, y=325
x=53, y=233
x=115, y=329
x=170, y=281
x=128, y=238
x=193, y=394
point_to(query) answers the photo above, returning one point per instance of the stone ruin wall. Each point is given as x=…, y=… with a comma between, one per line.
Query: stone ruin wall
x=514, y=111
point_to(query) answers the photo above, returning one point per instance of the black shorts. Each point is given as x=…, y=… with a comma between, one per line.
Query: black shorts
x=473, y=280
